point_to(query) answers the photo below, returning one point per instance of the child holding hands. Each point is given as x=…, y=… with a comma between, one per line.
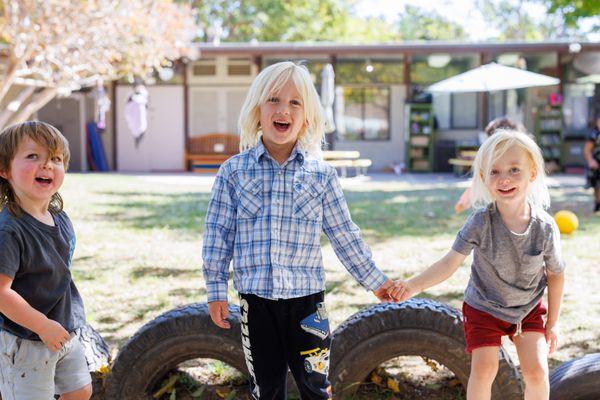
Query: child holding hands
x=516, y=256
x=40, y=307
x=268, y=207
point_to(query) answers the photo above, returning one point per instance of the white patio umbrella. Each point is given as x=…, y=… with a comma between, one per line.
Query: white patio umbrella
x=491, y=77
x=327, y=96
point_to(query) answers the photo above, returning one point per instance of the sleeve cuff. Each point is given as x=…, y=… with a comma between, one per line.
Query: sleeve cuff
x=216, y=291
x=375, y=280
x=462, y=246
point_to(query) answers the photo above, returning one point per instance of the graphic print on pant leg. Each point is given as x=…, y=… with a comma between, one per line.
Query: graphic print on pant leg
x=246, y=346
x=316, y=360
x=317, y=323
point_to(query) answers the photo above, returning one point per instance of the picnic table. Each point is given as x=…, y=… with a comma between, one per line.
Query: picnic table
x=464, y=160
x=343, y=160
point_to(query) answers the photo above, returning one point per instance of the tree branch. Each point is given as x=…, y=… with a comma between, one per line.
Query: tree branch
x=38, y=101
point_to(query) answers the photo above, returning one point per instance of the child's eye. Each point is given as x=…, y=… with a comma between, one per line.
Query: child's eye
x=273, y=100
x=296, y=103
x=57, y=159
x=515, y=170
x=494, y=172
x=32, y=156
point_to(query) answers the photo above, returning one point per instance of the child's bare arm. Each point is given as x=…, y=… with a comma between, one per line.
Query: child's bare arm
x=438, y=272
x=19, y=311
x=556, y=283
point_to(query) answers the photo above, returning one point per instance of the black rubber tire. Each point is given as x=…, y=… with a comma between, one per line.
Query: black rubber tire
x=178, y=335
x=418, y=327
x=578, y=379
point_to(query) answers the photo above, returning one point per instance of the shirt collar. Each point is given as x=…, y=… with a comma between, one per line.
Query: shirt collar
x=297, y=152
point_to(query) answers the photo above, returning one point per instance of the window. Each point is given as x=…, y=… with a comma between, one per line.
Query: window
x=455, y=110
x=363, y=113
x=451, y=110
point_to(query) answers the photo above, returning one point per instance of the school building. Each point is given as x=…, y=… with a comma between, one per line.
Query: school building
x=381, y=108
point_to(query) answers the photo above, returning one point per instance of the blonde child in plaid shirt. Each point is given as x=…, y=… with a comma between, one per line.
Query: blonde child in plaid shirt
x=268, y=208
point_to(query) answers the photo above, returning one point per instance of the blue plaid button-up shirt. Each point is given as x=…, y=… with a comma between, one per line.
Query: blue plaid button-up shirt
x=269, y=218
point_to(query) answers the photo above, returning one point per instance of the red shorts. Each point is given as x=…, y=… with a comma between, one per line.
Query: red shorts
x=483, y=329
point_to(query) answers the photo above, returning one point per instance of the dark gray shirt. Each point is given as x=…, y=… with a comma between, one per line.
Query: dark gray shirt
x=508, y=274
x=38, y=257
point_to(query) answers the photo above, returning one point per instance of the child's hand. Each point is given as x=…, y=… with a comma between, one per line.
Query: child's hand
x=218, y=313
x=383, y=292
x=402, y=290
x=593, y=164
x=552, y=333
x=53, y=335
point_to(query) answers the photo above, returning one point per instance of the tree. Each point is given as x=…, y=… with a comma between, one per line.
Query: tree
x=418, y=24
x=287, y=21
x=574, y=10
x=54, y=47
x=513, y=21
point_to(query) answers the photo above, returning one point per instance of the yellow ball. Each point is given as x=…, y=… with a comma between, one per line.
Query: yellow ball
x=566, y=220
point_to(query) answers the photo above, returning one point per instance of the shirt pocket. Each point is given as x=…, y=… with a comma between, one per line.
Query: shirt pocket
x=532, y=264
x=250, y=199
x=308, y=200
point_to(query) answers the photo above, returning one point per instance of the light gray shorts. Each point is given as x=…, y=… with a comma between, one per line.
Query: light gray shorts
x=30, y=371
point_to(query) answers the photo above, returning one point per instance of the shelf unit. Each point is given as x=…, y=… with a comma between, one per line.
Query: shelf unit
x=419, y=138
x=548, y=132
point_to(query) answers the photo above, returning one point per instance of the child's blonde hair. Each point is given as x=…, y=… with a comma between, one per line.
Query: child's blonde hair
x=492, y=149
x=269, y=82
x=10, y=138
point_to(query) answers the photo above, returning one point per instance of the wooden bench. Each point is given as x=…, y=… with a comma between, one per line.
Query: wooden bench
x=347, y=159
x=206, y=153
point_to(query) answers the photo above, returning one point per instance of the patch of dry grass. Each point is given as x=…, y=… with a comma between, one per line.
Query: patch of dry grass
x=140, y=238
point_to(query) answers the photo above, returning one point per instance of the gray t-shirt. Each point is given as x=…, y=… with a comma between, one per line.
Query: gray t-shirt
x=38, y=257
x=508, y=274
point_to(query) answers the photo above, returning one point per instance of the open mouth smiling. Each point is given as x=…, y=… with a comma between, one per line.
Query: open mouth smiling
x=507, y=191
x=43, y=180
x=281, y=125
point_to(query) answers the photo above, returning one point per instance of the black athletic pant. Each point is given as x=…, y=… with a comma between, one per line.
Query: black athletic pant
x=277, y=334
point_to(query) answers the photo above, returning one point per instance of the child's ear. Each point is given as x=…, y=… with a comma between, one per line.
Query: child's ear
x=533, y=174
x=5, y=175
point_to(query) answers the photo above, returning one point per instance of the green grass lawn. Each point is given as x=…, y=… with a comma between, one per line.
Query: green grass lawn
x=140, y=239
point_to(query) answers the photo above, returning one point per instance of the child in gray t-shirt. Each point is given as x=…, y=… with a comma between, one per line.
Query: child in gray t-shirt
x=40, y=307
x=516, y=255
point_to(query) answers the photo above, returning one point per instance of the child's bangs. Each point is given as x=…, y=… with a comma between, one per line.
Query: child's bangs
x=274, y=85
x=48, y=137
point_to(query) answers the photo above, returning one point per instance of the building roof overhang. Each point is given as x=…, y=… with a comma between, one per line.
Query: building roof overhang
x=326, y=48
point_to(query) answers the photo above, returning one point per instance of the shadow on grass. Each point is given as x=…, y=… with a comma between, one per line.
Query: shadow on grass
x=142, y=272
x=380, y=214
x=183, y=212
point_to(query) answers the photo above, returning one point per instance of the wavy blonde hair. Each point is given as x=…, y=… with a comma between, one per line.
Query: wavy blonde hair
x=492, y=149
x=269, y=82
x=10, y=138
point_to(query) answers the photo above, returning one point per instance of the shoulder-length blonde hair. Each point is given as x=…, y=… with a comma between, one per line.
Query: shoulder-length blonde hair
x=10, y=138
x=267, y=83
x=492, y=149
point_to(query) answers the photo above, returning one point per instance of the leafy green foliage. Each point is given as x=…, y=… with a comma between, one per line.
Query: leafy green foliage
x=418, y=24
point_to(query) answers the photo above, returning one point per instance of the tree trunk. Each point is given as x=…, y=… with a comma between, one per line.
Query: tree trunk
x=9, y=111
x=37, y=101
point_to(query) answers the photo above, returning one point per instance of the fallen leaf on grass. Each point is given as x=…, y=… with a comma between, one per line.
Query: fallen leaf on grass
x=166, y=387
x=393, y=385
